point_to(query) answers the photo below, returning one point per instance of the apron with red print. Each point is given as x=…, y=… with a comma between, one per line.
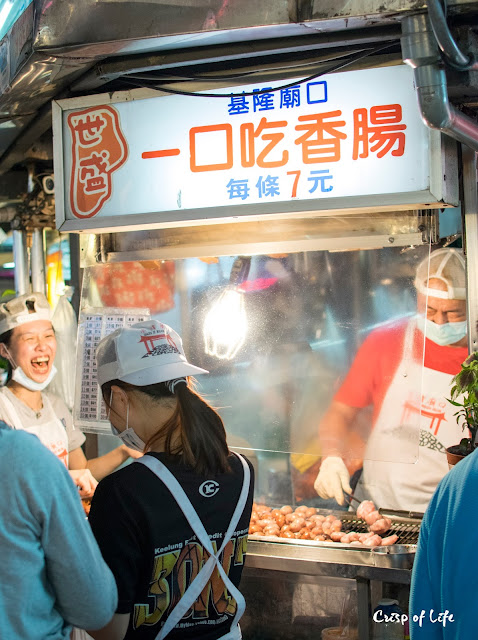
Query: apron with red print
x=405, y=455
x=52, y=433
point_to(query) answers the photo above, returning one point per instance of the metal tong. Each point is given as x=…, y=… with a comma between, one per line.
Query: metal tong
x=350, y=497
x=388, y=512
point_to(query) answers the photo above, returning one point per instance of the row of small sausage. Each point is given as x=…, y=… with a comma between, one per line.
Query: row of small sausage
x=376, y=522
x=305, y=523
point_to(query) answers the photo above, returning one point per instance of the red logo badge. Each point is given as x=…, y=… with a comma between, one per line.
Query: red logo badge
x=150, y=337
x=99, y=148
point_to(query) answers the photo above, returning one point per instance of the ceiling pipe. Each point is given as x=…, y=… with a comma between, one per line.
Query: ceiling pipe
x=448, y=47
x=444, y=38
x=420, y=50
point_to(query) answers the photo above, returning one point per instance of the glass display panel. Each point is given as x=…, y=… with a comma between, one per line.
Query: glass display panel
x=285, y=338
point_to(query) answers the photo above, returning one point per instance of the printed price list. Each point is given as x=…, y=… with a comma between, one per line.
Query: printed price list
x=93, y=326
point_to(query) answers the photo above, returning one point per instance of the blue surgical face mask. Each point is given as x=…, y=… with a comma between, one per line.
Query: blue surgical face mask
x=128, y=437
x=442, y=334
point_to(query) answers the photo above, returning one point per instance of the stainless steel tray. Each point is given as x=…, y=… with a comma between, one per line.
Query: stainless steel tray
x=281, y=550
x=395, y=556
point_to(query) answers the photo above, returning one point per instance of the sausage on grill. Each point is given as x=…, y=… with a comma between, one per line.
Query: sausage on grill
x=306, y=524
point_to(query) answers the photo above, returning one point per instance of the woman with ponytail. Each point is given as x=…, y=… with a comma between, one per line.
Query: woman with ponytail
x=173, y=525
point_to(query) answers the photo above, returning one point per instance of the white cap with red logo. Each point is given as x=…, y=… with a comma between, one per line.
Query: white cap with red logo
x=145, y=353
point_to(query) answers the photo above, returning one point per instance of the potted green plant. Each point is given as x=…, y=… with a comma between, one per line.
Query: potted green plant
x=464, y=394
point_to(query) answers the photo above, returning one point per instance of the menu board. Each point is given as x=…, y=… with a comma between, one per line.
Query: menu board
x=89, y=413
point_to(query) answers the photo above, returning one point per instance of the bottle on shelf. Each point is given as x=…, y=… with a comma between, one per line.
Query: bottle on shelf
x=387, y=620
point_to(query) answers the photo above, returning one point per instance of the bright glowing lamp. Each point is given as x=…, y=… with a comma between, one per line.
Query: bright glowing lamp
x=225, y=325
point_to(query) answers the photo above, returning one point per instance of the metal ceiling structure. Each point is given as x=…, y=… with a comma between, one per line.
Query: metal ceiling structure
x=63, y=48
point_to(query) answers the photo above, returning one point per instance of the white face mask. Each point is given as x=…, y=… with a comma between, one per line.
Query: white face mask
x=128, y=437
x=21, y=377
x=442, y=334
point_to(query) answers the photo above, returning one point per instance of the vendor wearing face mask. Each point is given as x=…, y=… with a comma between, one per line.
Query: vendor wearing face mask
x=388, y=374
x=172, y=526
x=27, y=342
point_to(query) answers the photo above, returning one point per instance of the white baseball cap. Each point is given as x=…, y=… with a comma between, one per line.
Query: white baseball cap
x=145, y=353
x=448, y=266
x=22, y=309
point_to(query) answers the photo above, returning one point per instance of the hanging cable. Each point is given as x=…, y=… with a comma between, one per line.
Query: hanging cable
x=452, y=55
x=138, y=81
x=245, y=73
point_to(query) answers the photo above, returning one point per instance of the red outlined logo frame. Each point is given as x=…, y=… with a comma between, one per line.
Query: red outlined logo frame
x=116, y=165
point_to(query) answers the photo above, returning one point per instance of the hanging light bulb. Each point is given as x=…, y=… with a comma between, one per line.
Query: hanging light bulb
x=225, y=325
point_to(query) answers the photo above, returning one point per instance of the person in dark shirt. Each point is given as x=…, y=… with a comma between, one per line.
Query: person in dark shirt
x=173, y=525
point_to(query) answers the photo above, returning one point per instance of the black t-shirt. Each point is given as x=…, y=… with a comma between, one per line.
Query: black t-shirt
x=154, y=555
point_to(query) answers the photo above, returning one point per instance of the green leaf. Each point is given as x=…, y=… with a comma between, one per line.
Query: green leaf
x=456, y=404
x=464, y=386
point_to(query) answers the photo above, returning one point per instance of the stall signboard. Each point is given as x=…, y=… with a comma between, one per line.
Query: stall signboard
x=340, y=141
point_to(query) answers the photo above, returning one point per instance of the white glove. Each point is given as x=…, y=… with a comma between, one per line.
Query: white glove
x=85, y=482
x=333, y=479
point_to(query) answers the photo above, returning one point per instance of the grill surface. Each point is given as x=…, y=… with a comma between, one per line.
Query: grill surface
x=407, y=529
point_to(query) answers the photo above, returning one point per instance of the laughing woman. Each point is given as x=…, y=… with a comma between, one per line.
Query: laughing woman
x=28, y=343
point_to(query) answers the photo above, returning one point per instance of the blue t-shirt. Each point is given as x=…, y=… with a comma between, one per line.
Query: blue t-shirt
x=53, y=574
x=445, y=571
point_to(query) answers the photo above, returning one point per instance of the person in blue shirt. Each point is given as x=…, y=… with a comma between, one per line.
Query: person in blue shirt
x=444, y=588
x=53, y=574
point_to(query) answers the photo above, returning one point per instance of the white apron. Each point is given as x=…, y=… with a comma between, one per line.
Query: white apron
x=405, y=455
x=52, y=433
x=196, y=587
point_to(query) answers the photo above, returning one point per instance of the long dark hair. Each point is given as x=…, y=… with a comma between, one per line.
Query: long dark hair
x=5, y=339
x=202, y=441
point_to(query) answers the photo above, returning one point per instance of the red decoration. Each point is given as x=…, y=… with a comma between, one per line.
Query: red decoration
x=137, y=284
